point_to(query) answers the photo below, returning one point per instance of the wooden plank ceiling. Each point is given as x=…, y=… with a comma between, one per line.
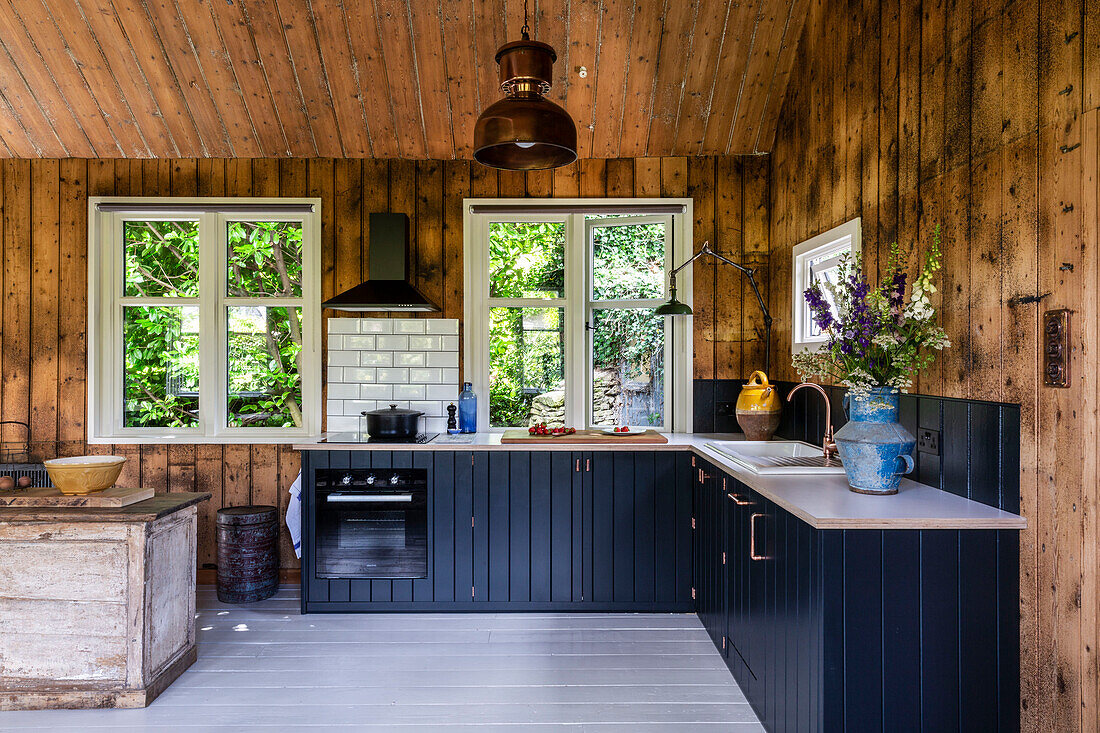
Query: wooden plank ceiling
x=384, y=79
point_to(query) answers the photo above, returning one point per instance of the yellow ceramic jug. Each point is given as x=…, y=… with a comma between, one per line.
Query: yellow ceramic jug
x=758, y=408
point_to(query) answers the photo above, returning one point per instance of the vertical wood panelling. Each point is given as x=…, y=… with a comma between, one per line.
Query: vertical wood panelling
x=979, y=118
x=43, y=232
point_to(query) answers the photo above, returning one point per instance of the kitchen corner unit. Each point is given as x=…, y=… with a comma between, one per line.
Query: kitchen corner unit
x=833, y=610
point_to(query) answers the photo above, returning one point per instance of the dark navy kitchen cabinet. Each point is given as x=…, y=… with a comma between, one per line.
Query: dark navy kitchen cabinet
x=529, y=530
x=901, y=630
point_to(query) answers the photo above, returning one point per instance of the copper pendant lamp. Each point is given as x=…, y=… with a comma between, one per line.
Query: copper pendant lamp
x=525, y=131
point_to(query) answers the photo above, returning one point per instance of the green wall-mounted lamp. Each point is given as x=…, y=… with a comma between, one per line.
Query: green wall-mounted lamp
x=675, y=308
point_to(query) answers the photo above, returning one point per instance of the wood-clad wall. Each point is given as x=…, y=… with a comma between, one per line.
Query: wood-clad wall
x=980, y=118
x=43, y=249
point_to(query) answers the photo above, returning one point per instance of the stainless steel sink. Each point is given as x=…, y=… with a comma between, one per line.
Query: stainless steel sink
x=776, y=456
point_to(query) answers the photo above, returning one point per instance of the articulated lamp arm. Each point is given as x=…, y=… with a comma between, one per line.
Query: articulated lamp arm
x=749, y=273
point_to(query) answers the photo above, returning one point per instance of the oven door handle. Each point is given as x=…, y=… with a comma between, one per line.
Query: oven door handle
x=368, y=498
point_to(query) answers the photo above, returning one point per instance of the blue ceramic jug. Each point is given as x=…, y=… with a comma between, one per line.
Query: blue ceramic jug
x=875, y=448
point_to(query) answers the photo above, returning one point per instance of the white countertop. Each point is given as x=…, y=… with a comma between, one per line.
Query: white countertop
x=823, y=502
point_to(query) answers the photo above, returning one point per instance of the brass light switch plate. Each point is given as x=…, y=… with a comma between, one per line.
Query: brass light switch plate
x=1056, y=348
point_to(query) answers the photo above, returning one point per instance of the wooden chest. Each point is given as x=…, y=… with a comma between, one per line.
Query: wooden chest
x=97, y=605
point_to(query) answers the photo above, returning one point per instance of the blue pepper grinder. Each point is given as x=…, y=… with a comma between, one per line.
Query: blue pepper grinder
x=467, y=409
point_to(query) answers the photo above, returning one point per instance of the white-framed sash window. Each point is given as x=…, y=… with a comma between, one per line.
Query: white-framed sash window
x=818, y=260
x=559, y=312
x=203, y=319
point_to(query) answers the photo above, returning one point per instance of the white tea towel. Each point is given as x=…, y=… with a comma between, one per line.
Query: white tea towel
x=294, y=515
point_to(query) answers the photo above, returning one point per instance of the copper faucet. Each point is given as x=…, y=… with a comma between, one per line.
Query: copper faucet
x=828, y=446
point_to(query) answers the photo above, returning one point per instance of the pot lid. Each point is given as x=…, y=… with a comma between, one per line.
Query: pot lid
x=394, y=410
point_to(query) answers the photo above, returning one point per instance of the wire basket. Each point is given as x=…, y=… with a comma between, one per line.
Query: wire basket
x=15, y=459
x=15, y=451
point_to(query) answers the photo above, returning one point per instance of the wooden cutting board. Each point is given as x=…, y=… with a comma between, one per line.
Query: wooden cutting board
x=114, y=497
x=582, y=436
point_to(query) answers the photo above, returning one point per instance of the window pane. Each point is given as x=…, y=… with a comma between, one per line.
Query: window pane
x=265, y=259
x=527, y=260
x=264, y=369
x=628, y=261
x=628, y=367
x=162, y=258
x=526, y=366
x=161, y=352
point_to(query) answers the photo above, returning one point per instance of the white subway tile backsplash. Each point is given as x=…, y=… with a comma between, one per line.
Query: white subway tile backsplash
x=442, y=325
x=445, y=392
x=339, y=391
x=442, y=358
x=435, y=409
x=425, y=376
x=340, y=423
x=358, y=407
x=376, y=325
x=409, y=391
x=375, y=362
x=343, y=325
x=376, y=358
x=425, y=343
x=343, y=358
x=376, y=391
x=393, y=343
x=393, y=376
x=360, y=375
x=434, y=424
x=359, y=343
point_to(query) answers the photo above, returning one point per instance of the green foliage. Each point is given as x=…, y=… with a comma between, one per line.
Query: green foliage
x=525, y=358
x=526, y=260
x=161, y=343
x=526, y=345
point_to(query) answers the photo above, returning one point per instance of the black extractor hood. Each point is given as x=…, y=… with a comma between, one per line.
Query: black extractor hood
x=387, y=289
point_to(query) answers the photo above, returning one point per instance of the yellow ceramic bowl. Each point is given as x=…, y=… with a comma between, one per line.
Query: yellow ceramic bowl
x=84, y=474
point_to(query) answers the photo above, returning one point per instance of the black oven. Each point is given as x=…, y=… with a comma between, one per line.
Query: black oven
x=371, y=523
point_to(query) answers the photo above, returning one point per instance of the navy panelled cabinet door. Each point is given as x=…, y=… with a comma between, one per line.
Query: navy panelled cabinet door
x=857, y=629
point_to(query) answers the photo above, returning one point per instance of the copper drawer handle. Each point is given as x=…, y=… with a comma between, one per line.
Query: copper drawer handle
x=739, y=500
x=753, y=555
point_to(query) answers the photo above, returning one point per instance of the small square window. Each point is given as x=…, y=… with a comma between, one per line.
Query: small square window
x=818, y=260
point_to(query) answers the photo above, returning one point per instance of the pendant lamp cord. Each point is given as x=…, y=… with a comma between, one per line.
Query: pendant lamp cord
x=525, y=31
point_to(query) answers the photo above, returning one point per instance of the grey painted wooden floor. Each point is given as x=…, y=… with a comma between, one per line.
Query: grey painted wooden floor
x=265, y=666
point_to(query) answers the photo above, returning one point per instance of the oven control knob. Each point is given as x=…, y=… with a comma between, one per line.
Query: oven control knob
x=346, y=480
x=370, y=480
x=394, y=479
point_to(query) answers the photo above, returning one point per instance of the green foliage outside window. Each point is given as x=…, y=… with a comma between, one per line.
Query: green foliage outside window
x=161, y=342
x=526, y=345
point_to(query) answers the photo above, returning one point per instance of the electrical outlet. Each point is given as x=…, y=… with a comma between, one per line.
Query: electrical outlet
x=928, y=441
x=725, y=409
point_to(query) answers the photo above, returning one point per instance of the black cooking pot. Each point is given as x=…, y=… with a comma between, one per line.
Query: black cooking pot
x=396, y=423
